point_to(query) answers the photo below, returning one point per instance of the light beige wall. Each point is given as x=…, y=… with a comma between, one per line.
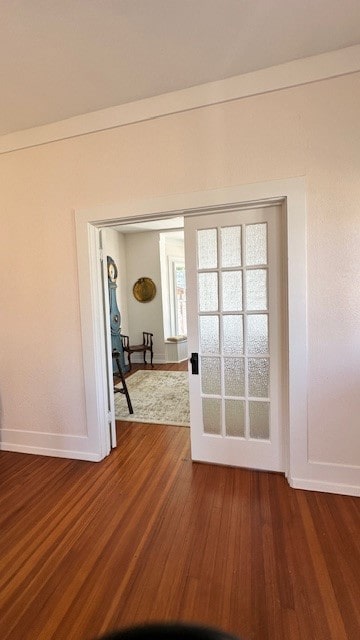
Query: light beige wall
x=114, y=246
x=143, y=260
x=311, y=130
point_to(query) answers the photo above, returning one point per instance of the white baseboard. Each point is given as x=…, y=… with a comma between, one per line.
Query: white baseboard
x=325, y=487
x=328, y=477
x=136, y=358
x=158, y=359
x=54, y=453
x=47, y=444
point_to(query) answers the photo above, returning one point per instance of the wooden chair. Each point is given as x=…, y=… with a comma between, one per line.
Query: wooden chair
x=147, y=345
x=120, y=374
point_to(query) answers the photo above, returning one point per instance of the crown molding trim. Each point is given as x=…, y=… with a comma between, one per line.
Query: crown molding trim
x=290, y=74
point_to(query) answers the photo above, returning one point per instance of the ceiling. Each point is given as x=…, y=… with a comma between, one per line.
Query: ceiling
x=64, y=58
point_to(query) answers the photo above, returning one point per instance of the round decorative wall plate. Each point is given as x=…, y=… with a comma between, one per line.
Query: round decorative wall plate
x=144, y=290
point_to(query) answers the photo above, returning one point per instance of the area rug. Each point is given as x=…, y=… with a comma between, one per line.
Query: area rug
x=159, y=397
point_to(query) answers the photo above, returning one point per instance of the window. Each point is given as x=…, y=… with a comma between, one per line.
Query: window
x=179, y=298
x=173, y=283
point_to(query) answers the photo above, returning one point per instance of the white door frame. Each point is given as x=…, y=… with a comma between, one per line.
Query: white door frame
x=291, y=193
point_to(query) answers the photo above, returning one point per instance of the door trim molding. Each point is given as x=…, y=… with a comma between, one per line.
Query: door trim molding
x=88, y=222
x=301, y=471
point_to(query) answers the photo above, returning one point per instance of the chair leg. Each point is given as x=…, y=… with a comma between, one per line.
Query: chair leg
x=125, y=389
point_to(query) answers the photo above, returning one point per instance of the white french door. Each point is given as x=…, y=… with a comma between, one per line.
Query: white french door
x=233, y=273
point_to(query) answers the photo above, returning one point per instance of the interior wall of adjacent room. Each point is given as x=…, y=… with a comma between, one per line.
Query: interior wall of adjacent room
x=143, y=260
x=114, y=246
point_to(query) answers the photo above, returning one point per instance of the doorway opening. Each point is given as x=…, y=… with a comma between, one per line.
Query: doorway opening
x=290, y=194
x=151, y=249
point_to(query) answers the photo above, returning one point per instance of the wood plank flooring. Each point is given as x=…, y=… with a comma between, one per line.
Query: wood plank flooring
x=148, y=535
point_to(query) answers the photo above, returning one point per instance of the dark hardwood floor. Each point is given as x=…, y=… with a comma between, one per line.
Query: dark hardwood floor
x=148, y=535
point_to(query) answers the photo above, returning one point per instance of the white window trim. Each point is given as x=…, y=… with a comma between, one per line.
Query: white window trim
x=172, y=264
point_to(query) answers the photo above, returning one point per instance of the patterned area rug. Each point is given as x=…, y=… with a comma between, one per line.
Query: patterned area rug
x=159, y=397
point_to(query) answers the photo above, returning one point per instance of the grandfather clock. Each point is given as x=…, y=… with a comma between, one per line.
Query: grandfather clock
x=115, y=317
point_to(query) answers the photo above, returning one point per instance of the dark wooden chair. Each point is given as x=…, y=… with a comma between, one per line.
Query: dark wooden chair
x=147, y=345
x=120, y=374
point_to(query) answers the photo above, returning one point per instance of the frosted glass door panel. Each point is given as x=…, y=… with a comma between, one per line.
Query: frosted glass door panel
x=233, y=335
x=235, y=418
x=257, y=333
x=259, y=377
x=234, y=376
x=208, y=292
x=231, y=247
x=211, y=408
x=210, y=376
x=207, y=249
x=256, y=244
x=209, y=334
x=232, y=299
x=259, y=420
x=256, y=290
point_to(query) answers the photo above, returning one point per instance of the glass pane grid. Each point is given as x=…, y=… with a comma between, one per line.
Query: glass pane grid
x=236, y=303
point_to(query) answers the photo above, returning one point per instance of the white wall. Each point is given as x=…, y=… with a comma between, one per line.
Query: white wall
x=136, y=316
x=114, y=246
x=311, y=130
x=143, y=260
